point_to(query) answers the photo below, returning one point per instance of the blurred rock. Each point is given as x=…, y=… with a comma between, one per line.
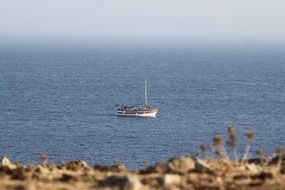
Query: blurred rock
x=177, y=173
x=5, y=162
x=19, y=174
x=127, y=182
x=119, y=167
x=181, y=164
x=42, y=170
x=170, y=179
x=159, y=167
x=76, y=164
x=68, y=178
x=253, y=168
x=201, y=166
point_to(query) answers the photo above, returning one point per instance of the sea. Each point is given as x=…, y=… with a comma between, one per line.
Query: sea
x=61, y=101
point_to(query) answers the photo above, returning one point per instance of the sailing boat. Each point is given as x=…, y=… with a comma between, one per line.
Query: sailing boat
x=145, y=111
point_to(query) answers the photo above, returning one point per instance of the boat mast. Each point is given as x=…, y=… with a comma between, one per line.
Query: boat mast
x=145, y=94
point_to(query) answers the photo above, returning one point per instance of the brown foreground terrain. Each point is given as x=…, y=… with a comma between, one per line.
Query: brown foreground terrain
x=177, y=173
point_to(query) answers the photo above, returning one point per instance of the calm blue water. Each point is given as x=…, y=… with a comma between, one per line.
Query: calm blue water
x=61, y=101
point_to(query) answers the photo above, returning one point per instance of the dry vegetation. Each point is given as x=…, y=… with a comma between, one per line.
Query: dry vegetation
x=201, y=172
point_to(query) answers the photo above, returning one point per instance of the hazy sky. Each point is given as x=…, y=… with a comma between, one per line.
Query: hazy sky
x=256, y=20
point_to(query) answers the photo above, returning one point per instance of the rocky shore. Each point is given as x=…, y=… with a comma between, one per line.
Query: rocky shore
x=177, y=173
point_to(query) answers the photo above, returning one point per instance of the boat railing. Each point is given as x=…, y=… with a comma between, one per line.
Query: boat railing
x=133, y=108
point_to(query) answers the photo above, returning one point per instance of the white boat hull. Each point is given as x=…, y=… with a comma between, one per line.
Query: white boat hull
x=152, y=114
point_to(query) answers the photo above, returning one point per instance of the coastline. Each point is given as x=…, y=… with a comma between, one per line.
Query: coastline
x=183, y=172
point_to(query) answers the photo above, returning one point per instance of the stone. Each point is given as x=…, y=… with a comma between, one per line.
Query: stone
x=171, y=179
x=253, y=168
x=126, y=182
x=68, y=178
x=201, y=166
x=181, y=164
x=42, y=170
x=19, y=174
x=83, y=164
x=159, y=167
x=118, y=167
x=76, y=164
x=5, y=162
